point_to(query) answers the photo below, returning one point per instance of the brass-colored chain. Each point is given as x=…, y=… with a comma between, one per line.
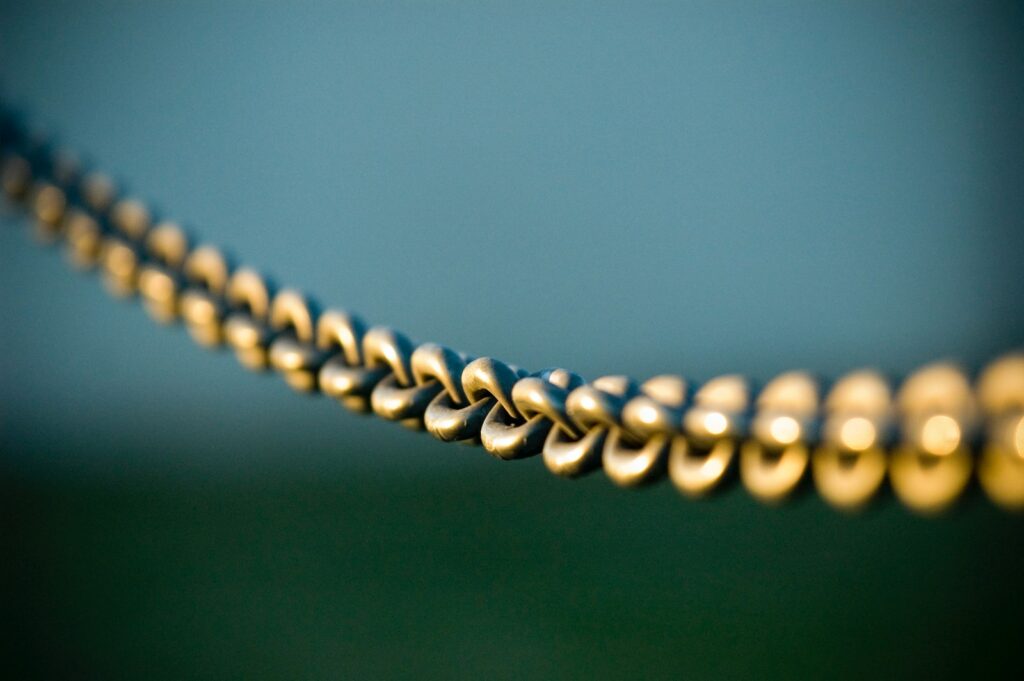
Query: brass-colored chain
x=926, y=435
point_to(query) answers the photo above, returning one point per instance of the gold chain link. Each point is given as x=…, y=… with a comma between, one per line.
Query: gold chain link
x=925, y=435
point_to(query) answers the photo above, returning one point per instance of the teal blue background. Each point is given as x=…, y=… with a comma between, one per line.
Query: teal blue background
x=639, y=188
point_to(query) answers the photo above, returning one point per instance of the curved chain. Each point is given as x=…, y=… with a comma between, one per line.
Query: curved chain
x=926, y=435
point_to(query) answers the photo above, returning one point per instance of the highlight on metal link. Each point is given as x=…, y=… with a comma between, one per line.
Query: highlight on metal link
x=926, y=438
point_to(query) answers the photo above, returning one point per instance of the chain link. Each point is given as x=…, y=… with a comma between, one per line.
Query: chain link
x=925, y=436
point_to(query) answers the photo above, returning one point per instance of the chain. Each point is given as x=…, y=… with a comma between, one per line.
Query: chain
x=928, y=435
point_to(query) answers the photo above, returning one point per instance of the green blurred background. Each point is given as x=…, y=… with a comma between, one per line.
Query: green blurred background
x=497, y=571
x=644, y=188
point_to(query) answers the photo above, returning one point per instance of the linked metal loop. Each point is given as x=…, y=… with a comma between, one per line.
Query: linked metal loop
x=572, y=456
x=518, y=434
x=635, y=452
x=932, y=466
x=84, y=239
x=849, y=465
x=406, y=405
x=774, y=459
x=928, y=484
x=636, y=432
x=344, y=376
x=160, y=278
x=389, y=348
x=49, y=203
x=120, y=256
x=247, y=322
x=202, y=303
x=1002, y=475
x=119, y=260
x=50, y=199
x=593, y=409
x=433, y=362
x=293, y=352
x=491, y=381
x=545, y=395
x=131, y=218
x=628, y=465
x=657, y=410
x=454, y=423
x=540, y=402
x=700, y=461
x=450, y=416
x=486, y=378
x=1001, y=395
x=396, y=397
x=600, y=402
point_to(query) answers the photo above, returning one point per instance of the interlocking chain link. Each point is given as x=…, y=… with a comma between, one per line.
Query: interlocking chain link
x=926, y=436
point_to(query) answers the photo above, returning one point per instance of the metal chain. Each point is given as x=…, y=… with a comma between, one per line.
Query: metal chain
x=926, y=435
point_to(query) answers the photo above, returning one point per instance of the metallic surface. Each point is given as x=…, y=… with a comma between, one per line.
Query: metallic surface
x=593, y=408
x=202, y=303
x=636, y=451
x=396, y=396
x=449, y=416
x=343, y=375
x=84, y=239
x=293, y=352
x=926, y=439
x=849, y=464
x=247, y=324
x=774, y=459
x=159, y=280
x=1001, y=395
x=700, y=460
x=932, y=465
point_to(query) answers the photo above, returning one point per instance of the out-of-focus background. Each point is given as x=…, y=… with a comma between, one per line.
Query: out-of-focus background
x=614, y=188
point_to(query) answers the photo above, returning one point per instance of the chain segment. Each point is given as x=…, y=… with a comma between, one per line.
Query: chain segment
x=926, y=436
x=247, y=324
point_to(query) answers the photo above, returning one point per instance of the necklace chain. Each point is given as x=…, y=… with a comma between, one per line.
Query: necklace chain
x=927, y=435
